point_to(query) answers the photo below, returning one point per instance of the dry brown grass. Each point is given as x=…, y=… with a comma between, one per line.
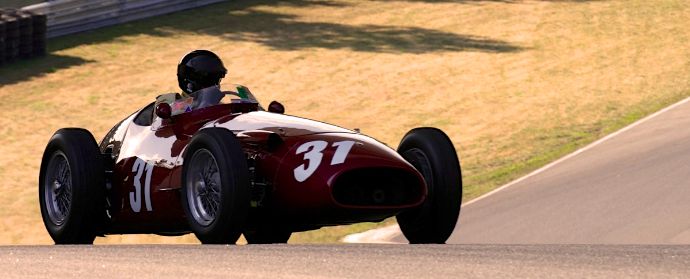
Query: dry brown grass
x=514, y=83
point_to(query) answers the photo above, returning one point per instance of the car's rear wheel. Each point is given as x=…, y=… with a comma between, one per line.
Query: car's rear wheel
x=72, y=187
x=215, y=191
x=432, y=153
x=267, y=235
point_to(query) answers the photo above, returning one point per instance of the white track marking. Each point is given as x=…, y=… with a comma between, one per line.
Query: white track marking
x=381, y=235
x=386, y=234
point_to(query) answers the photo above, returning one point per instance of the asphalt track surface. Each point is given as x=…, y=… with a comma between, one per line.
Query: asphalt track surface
x=344, y=261
x=632, y=188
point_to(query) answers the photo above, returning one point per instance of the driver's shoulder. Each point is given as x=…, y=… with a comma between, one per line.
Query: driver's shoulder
x=167, y=98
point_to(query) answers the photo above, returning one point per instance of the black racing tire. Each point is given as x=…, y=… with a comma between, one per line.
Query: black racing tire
x=215, y=201
x=432, y=153
x=267, y=235
x=71, y=187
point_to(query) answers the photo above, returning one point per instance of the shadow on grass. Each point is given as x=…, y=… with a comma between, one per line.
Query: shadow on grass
x=26, y=69
x=284, y=32
x=457, y=1
x=241, y=21
x=490, y=1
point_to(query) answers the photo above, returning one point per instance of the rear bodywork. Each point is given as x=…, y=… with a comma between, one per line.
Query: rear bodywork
x=304, y=174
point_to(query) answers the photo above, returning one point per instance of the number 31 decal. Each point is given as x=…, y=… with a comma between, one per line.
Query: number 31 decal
x=313, y=154
x=135, y=197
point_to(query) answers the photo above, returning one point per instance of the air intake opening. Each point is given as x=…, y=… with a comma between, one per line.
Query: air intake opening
x=377, y=187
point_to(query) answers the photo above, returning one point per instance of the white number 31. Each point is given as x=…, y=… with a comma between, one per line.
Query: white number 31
x=313, y=154
x=139, y=167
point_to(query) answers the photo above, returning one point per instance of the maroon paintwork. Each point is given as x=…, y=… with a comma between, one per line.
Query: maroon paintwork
x=270, y=141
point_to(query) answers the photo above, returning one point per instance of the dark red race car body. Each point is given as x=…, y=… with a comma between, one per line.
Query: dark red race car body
x=304, y=174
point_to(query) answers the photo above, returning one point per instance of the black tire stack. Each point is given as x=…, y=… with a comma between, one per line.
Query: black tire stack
x=3, y=35
x=40, y=29
x=26, y=33
x=22, y=35
x=11, y=36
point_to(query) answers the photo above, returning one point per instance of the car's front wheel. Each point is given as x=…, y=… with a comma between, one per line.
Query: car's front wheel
x=432, y=153
x=215, y=191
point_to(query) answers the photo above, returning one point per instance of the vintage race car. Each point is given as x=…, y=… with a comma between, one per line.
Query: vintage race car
x=234, y=168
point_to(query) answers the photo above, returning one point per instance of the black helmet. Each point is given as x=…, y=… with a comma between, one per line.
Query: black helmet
x=199, y=69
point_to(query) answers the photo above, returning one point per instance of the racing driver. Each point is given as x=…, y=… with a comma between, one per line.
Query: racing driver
x=198, y=74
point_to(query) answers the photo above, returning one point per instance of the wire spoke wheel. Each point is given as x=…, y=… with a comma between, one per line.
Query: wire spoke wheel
x=215, y=186
x=58, y=188
x=203, y=187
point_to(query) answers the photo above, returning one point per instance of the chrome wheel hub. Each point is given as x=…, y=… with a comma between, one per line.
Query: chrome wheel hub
x=58, y=188
x=203, y=187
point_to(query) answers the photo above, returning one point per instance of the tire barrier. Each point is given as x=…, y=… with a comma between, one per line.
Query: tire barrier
x=40, y=33
x=22, y=35
x=73, y=16
x=3, y=32
x=23, y=32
